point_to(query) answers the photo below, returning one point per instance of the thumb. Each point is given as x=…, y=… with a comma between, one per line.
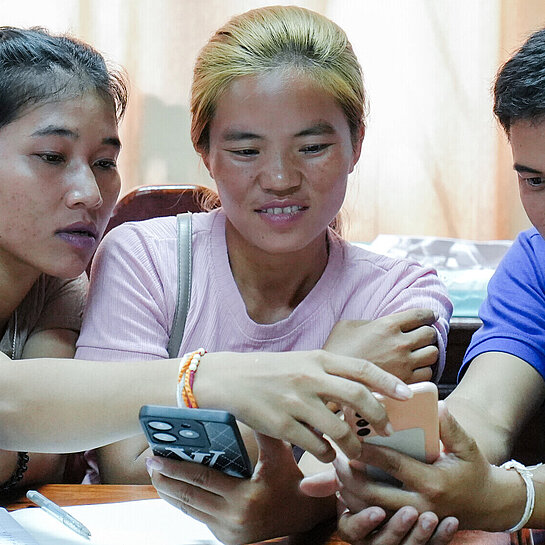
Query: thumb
x=320, y=485
x=454, y=438
x=273, y=451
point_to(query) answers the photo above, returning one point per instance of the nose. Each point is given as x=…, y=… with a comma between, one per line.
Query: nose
x=83, y=191
x=279, y=175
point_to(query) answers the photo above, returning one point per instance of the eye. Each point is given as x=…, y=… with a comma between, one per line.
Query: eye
x=106, y=164
x=535, y=182
x=51, y=158
x=246, y=152
x=313, y=149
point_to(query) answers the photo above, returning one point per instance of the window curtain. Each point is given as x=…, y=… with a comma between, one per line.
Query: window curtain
x=434, y=160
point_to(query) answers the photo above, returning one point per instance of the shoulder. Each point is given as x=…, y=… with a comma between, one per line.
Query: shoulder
x=54, y=303
x=49, y=287
x=524, y=262
x=389, y=283
x=529, y=245
x=360, y=259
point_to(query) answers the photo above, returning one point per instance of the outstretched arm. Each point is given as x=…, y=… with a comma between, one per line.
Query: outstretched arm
x=77, y=405
x=40, y=467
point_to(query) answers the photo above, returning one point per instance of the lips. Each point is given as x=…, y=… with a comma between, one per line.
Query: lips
x=80, y=229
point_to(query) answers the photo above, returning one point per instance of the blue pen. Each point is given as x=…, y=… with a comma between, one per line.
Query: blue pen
x=60, y=514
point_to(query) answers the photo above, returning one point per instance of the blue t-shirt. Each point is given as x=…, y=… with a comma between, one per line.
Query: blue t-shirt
x=513, y=313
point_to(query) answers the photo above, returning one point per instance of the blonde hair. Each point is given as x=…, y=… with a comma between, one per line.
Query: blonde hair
x=265, y=39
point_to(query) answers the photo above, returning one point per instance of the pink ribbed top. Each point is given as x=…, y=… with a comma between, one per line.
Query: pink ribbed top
x=134, y=281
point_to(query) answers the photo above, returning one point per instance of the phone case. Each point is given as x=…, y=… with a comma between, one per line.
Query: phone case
x=415, y=422
x=203, y=436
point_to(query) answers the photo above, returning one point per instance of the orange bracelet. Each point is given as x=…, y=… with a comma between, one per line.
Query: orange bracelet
x=188, y=368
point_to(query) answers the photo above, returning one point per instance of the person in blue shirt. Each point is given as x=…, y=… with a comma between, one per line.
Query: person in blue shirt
x=502, y=376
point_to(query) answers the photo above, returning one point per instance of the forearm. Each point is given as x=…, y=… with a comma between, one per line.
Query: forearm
x=77, y=405
x=496, y=396
x=494, y=441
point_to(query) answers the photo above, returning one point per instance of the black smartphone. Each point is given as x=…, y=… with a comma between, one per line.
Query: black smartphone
x=204, y=436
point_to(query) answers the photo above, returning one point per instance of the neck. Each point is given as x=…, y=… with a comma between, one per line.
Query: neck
x=272, y=285
x=16, y=279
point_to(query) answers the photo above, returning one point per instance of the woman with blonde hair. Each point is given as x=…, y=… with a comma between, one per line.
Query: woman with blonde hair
x=278, y=109
x=280, y=311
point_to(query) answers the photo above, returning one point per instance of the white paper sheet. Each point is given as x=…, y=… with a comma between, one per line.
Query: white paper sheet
x=11, y=532
x=143, y=522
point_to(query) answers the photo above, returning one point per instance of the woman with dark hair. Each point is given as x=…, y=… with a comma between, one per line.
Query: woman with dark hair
x=59, y=110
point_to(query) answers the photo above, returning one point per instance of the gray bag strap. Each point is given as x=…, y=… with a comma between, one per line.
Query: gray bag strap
x=184, y=232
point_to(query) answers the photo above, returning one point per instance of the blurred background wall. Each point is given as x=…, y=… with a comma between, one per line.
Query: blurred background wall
x=434, y=160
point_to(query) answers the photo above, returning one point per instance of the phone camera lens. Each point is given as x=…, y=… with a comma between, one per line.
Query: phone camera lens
x=189, y=434
x=164, y=437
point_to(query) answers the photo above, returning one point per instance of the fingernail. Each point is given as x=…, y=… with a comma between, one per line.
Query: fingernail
x=451, y=526
x=152, y=464
x=357, y=465
x=408, y=516
x=403, y=391
x=427, y=524
x=389, y=429
x=375, y=515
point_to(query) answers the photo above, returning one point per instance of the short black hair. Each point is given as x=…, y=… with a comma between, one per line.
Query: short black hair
x=36, y=66
x=519, y=89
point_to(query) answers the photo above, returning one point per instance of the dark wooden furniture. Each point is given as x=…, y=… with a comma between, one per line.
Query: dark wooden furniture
x=461, y=330
x=152, y=201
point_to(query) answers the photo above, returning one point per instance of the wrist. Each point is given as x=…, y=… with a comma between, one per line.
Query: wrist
x=209, y=384
x=508, y=496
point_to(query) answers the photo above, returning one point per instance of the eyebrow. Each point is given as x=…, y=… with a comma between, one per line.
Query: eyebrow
x=522, y=168
x=234, y=135
x=54, y=130
x=319, y=128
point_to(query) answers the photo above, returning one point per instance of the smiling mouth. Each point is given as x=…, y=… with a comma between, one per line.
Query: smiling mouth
x=276, y=211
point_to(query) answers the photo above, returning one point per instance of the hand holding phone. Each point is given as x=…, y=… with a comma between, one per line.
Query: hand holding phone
x=208, y=437
x=415, y=423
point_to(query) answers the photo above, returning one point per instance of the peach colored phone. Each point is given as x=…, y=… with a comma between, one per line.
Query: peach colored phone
x=415, y=423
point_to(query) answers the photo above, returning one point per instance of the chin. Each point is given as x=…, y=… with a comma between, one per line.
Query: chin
x=67, y=270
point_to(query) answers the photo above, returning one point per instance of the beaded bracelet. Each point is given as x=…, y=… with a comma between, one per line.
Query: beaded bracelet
x=526, y=474
x=186, y=376
x=17, y=475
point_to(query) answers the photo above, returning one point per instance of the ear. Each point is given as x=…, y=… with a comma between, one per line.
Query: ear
x=206, y=160
x=357, y=147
